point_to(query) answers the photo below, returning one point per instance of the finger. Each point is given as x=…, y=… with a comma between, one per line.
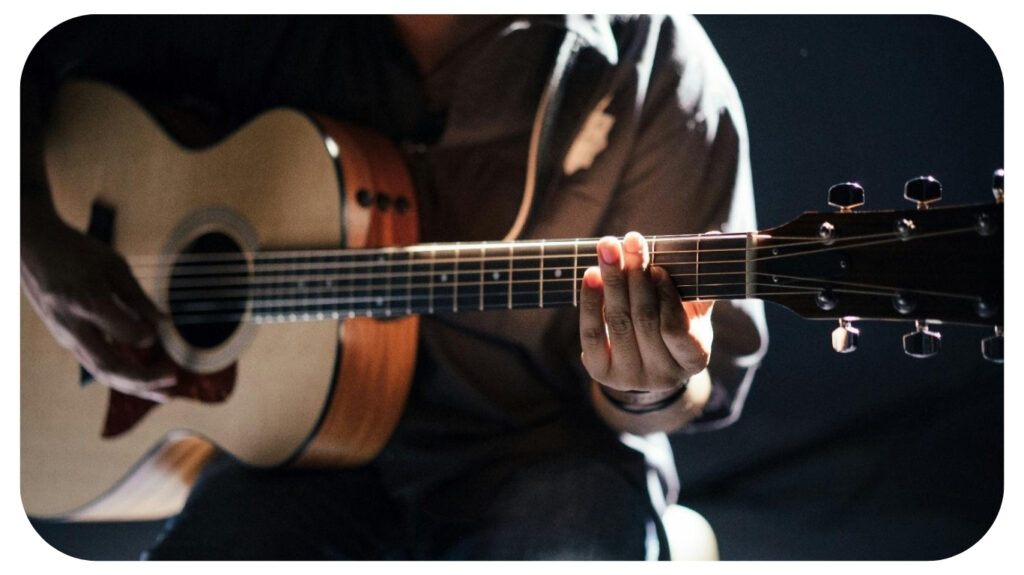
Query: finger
x=687, y=350
x=625, y=357
x=698, y=314
x=124, y=373
x=660, y=369
x=593, y=337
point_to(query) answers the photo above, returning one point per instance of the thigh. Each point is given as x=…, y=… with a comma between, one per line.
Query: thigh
x=568, y=508
x=240, y=513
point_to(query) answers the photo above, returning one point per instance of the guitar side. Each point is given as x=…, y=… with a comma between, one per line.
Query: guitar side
x=279, y=179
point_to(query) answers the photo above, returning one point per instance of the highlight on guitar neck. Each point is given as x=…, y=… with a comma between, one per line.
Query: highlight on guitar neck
x=926, y=266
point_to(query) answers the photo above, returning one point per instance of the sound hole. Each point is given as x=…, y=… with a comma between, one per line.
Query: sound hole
x=209, y=295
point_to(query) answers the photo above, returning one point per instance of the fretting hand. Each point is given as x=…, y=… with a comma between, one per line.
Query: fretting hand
x=640, y=341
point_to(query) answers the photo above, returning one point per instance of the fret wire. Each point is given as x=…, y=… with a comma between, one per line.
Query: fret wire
x=433, y=254
x=455, y=273
x=541, y=273
x=482, y=260
x=575, y=270
x=388, y=256
x=510, y=260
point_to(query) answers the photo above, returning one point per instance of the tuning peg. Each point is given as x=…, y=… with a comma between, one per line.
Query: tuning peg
x=997, y=185
x=922, y=342
x=846, y=196
x=992, y=346
x=844, y=337
x=923, y=190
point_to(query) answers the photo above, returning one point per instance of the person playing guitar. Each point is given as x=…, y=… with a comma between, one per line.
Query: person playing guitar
x=512, y=442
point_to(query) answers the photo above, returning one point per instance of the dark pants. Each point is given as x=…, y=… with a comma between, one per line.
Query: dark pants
x=565, y=508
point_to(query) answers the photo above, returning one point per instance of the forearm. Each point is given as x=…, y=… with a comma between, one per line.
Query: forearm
x=670, y=418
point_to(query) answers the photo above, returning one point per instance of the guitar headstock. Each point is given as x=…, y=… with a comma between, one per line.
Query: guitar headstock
x=925, y=266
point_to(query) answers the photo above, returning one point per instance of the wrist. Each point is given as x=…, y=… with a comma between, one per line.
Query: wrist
x=639, y=403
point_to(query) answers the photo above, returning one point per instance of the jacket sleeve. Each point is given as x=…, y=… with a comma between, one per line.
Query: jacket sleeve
x=689, y=172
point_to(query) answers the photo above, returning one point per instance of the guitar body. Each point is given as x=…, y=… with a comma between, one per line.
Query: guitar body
x=308, y=392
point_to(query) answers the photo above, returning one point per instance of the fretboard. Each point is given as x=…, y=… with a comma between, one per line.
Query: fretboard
x=435, y=278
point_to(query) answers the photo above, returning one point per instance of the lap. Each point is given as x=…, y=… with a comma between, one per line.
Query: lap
x=559, y=508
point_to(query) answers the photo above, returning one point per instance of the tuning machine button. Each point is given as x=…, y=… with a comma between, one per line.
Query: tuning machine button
x=846, y=196
x=922, y=342
x=845, y=337
x=992, y=346
x=923, y=190
x=997, y=185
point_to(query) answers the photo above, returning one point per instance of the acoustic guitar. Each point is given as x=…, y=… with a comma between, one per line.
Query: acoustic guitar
x=286, y=257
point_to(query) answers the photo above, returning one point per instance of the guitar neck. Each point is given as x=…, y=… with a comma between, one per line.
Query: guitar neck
x=436, y=278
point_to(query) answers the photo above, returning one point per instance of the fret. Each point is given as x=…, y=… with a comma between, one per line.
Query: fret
x=678, y=257
x=525, y=277
x=467, y=276
x=495, y=285
x=400, y=288
x=421, y=281
x=558, y=283
x=721, y=267
x=372, y=298
x=445, y=289
x=388, y=293
x=338, y=282
x=511, y=256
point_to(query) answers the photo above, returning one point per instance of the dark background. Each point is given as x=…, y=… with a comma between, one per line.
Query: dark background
x=871, y=455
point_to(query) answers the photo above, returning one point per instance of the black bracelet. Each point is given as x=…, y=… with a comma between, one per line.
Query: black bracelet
x=646, y=407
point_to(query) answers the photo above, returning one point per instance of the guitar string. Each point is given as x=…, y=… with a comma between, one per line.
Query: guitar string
x=456, y=273
x=219, y=316
x=377, y=301
x=380, y=255
x=382, y=273
x=304, y=292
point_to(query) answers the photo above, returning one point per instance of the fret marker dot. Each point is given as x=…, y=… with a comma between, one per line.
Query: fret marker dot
x=496, y=275
x=444, y=277
x=558, y=273
x=380, y=300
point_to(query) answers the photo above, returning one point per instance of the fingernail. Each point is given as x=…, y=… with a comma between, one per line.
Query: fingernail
x=609, y=254
x=632, y=243
x=592, y=278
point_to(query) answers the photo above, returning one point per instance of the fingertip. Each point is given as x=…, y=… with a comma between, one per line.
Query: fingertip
x=610, y=250
x=592, y=278
x=658, y=274
x=633, y=242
